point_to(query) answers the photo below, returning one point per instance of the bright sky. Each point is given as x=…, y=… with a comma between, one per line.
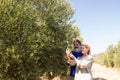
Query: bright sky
x=99, y=22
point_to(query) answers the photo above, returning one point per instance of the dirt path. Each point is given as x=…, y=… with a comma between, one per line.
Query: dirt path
x=99, y=73
x=103, y=73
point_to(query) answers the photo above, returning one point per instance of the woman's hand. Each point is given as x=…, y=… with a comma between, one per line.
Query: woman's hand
x=68, y=51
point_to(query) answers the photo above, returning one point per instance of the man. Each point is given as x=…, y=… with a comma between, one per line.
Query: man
x=77, y=53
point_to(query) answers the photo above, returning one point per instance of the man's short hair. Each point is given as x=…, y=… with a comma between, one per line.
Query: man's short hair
x=76, y=40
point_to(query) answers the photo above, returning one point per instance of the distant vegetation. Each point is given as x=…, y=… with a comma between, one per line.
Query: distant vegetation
x=111, y=57
x=33, y=38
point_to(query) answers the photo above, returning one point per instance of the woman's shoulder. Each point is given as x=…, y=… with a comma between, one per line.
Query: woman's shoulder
x=89, y=57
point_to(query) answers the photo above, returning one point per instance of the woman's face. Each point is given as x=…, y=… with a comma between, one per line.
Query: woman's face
x=84, y=50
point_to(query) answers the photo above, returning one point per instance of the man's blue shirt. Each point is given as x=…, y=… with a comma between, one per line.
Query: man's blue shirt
x=73, y=68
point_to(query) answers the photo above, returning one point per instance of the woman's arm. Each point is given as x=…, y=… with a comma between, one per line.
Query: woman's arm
x=73, y=61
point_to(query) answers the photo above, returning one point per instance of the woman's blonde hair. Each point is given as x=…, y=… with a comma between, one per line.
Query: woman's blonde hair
x=88, y=47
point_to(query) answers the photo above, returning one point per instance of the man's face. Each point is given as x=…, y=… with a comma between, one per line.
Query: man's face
x=76, y=44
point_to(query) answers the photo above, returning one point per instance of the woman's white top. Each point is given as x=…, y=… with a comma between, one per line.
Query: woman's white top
x=83, y=68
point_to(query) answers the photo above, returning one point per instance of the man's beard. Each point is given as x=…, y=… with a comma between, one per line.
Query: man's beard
x=77, y=50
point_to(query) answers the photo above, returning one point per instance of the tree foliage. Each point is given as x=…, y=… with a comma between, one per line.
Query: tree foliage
x=33, y=36
x=110, y=57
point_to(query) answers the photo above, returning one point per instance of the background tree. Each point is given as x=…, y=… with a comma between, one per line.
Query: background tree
x=33, y=38
x=110, y=57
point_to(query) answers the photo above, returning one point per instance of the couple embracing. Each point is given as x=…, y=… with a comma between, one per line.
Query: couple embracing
x=80, y=61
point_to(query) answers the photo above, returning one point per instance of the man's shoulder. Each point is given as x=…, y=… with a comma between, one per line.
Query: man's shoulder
x=77, y=54
x=73, y=52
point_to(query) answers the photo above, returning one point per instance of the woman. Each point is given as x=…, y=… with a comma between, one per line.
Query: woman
x=84, y=64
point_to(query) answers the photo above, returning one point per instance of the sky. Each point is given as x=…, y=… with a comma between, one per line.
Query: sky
x=99, y=22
